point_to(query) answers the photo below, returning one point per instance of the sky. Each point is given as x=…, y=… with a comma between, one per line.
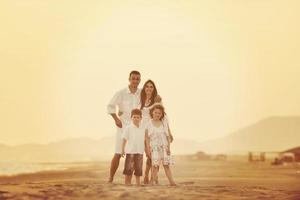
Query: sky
x=218, y=65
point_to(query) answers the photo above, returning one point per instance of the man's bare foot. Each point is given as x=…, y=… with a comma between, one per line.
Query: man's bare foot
x=173, y=184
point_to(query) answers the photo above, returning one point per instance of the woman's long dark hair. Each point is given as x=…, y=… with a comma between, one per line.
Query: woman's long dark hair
x=143, y=94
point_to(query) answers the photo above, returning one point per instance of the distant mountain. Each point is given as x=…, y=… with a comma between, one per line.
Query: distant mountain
x=77, y=149
x=271, y=134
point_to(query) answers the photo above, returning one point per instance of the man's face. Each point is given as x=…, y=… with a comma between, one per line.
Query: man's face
x=134, y=80
x=136, y=119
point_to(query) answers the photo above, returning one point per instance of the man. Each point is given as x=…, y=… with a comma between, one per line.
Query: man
x=125, y=100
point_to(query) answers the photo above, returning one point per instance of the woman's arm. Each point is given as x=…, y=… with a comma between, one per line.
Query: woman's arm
x=170, y=135
x=147, y=144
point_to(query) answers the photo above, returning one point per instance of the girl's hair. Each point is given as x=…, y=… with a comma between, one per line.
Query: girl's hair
x=160, y=107
x=143, y=94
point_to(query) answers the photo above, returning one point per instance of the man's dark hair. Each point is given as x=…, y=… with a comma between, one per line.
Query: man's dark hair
x=134, y=72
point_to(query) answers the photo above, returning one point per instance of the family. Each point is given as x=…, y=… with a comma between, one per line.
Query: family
x=142, y=126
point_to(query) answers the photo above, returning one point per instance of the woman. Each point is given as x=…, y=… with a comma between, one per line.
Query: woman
x=148, y=95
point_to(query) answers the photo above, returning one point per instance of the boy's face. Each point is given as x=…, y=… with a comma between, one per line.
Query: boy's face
x=134, y=80
x=157, y=114
x=136, y=119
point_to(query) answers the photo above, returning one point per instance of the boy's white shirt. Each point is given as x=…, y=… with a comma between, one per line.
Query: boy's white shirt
x=135, y=137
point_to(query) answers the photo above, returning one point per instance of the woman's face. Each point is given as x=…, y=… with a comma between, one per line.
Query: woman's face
x=157, y=114
x=149, y=88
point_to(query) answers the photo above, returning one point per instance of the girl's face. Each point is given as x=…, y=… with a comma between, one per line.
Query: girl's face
x=157, y=114
x=149, y=88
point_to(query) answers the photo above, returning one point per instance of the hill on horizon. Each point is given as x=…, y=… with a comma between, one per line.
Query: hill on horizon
x=270, y=134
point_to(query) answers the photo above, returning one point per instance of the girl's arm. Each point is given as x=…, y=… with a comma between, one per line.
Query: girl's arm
x=168, y=148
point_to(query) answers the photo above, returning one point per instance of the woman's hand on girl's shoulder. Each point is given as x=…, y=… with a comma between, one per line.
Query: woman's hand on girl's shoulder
x=157, y=99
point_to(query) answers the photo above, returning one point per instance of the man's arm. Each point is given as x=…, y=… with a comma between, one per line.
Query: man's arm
x=117, y=120
x=111, y=108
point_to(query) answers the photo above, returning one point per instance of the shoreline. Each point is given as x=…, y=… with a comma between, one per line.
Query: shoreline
x=195, y=180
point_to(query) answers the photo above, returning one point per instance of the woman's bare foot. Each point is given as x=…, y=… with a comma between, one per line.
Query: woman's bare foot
x=173, y=184
x=146, y=180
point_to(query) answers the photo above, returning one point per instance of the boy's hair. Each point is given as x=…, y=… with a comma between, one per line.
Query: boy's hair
x=134, y=72
x=136, y=112
x=160, y=107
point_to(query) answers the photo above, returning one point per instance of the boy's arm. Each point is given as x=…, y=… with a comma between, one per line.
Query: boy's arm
x=125, y=136
x=123, y=147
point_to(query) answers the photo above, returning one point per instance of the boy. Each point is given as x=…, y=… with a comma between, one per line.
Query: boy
x=134, y=146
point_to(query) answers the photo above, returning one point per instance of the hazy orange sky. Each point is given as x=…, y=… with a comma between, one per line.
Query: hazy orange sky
x=219, y=65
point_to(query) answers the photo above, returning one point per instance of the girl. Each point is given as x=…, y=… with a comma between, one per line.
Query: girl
x=158, y=143
x=148, y=94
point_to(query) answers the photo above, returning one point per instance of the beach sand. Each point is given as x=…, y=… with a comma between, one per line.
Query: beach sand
x=196, y=180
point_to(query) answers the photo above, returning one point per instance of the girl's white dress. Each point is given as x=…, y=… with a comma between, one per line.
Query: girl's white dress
x=159, y=144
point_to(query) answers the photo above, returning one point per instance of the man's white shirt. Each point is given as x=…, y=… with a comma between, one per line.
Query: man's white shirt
x=126, y=102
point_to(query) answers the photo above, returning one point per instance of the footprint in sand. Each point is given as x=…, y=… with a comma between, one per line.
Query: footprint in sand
x=124, y=195
x=187, y=183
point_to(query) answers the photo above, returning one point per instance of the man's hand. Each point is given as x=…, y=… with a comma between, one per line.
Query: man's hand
x=120, y=113
x=118, y=123
x=157, y=99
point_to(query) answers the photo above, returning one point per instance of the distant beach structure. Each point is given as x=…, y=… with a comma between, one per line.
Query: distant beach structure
x=288, y=156
x=294, y=153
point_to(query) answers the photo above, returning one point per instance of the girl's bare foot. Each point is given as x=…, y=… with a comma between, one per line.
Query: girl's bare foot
x=110, y=180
